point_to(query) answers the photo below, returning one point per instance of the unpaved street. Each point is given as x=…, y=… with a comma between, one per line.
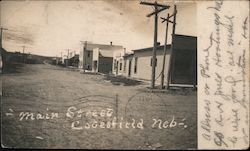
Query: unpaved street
x=67, y=109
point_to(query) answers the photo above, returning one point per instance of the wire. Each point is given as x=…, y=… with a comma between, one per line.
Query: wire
x=159, y=75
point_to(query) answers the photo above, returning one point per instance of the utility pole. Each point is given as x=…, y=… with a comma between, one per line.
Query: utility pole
x=61, y=60
x=172, y=46
x=165, y=47
x=23, y=54
x=1, y=40
x=23, y=49
x=67, y=60
x=164, y=54
x=157, y=9
x=68, y=54
x=83, y=54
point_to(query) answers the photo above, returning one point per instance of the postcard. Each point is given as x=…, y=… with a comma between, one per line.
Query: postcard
x=124, y=74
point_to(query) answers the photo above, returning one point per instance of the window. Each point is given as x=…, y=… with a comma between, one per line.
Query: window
x=88, y=54
x=135, y=69
x=120, y=66
x=152, y=62
x=114, y=64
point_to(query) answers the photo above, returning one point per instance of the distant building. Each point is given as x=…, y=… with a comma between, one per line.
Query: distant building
x=3, y=59
x=127, y=66
x=118, y=62
x=71, y=59
x=64, y=60
x=98, y=57
x=74, y=60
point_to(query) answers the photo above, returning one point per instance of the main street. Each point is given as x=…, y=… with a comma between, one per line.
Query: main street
x=46, y=106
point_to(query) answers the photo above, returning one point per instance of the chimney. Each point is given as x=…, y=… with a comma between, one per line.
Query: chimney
x=111, y=43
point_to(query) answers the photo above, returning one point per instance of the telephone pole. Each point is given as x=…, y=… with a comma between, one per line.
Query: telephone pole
x=1, y=40
x=83, y=54
x=68, y=54
x=165, y=50
x=157, y=9
x=23, y=54
x=172, y=46
x=165, y=46
x=23, y=49
x=67, y=60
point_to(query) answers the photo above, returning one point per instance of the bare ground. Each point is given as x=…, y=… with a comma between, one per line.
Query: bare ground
x=46, y=88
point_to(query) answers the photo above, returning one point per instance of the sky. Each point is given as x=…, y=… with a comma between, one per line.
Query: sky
x=51, y=27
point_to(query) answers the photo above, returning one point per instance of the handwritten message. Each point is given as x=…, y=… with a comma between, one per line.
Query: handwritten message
x=223, y=65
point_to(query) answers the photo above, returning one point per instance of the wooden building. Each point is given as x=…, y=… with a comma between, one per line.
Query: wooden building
x=183, y=66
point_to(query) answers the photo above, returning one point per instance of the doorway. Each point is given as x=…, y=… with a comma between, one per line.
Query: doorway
x=129, y=67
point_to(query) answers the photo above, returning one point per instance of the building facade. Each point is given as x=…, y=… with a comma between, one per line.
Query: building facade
x=183, y=67
x=97, y=57
x=139, y=64
x=119, y=63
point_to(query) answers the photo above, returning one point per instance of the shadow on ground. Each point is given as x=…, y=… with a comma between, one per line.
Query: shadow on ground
x=172, y=90
x=120, y=80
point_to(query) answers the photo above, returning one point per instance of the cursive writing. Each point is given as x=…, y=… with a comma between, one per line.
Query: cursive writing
x=205, y=124
x=235, y=120
x=244, y=27
x=229, y=26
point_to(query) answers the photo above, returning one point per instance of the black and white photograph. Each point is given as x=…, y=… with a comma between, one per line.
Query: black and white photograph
x=109, y=74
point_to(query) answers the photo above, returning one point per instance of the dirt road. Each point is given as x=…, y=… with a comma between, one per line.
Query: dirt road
x=45, y=106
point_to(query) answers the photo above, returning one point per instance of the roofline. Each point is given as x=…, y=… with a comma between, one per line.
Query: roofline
x=128, y=55
x=169, y=45
x=146, y=49
x=112, y=49
x=102, y=46
x=185, y=35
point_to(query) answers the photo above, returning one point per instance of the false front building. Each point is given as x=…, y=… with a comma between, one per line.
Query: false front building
x=97, y=57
